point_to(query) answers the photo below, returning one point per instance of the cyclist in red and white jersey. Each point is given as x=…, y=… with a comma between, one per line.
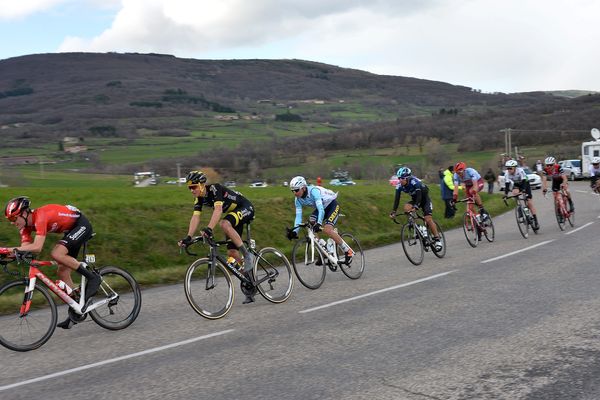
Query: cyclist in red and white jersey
x=55, y=218
x=473, y=182
x=558, y=177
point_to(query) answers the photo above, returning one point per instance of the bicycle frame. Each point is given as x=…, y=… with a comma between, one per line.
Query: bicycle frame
x=35, y=273
x=560, y=200
x=314, y=243
x=412, y=218
x=470, y=205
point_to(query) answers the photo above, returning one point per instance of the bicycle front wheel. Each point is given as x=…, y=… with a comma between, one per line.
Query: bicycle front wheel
x=305, y=260
x=124, y=297
x=470, y=229
x=488, y=228
x=412, y=243
x=273, y=272
x=209, y=292
x=30, y=331
x=560, y=219
x=522, y=222
x=354, y=269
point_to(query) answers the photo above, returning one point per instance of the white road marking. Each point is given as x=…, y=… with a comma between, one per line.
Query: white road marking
x=376, y=292
x=577, y=229
x=112, y=360
x=516, y=252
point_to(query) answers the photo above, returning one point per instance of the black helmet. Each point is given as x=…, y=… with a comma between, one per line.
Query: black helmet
x=16, y=206
x=195, y=177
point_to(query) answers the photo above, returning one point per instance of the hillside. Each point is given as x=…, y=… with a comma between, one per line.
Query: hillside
x=46, y=95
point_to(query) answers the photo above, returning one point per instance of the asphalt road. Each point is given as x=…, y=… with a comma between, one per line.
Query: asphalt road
x=469, y=326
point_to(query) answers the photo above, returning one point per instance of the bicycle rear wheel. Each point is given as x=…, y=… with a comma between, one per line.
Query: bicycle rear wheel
x=354, y=269
x=439, y=253
x=26, y=332
x=470, y=229
x=522, y=222
x=304, y=260
x=271, y=263
x=126, y=299
x=210, y=293
x=412, y=244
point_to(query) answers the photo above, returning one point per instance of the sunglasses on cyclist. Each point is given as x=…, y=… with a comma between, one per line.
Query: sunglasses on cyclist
x=296, y=190
x=193, y=187
x=595, y=163
x=510, y=167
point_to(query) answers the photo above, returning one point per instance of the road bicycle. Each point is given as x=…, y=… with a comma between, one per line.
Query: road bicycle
x=562, y=213
x=523, y=214
x=28, y=312
x=312, y=256
x=208, y=285
x=474, y=227
x=416, y=238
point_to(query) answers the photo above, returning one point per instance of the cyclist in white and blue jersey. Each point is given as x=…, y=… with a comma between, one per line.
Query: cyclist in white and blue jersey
x=419, y=195
x=325, y=215
x=516, y=180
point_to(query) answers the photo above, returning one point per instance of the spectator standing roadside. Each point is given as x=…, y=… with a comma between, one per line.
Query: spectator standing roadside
x=490, y=178
x=539, y=167
x=447, y=188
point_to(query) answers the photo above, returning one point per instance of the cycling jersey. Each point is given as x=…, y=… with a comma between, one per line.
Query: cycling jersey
x=314, y=196
x=60, y=219
x=217, y=194
x=518, y=178
x=594, y=171
x=556, y=173
x=470, y=176
x=418, y=192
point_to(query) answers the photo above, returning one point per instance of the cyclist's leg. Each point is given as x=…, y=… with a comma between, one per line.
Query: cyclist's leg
x=233, y=226
x=427, y=208
x=332, y=212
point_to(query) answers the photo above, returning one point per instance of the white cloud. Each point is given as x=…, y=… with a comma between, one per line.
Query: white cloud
x=512, y=45
x=14, y=9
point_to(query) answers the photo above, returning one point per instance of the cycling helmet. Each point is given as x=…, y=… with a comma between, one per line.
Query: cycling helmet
x=550, y=161
x=16, y=206
x=404, y=172
x=511, y=163
x=195, y=177
x=297, y=182
x=460, y=166
x=596, y=160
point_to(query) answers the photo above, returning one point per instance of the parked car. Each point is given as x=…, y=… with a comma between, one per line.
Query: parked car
x=572, y=169
x=535, y=181
x=258, y=184
x=342, y=182
x=229, y=184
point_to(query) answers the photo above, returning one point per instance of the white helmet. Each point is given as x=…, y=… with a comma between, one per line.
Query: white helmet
x=511, y=163
x=550, y=161
x=596, y=160
x=297, y=182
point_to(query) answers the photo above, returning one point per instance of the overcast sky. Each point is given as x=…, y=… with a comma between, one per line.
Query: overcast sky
x=491, y=45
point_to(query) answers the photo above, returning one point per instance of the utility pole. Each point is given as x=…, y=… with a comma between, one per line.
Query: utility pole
x=507, y=141
x=178, y=174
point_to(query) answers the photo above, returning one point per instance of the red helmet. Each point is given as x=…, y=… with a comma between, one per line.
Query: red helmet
x=460, y=166
x=16, y=206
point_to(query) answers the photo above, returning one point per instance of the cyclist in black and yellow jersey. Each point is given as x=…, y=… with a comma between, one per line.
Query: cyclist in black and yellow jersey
x=238, y=212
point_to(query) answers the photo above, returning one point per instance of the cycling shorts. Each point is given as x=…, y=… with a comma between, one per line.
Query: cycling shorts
x=80, y=233
x=556, y=182
x=471, y=189
x=524, y=187
x=242, y=215
x=426, y=205
x=332, y=212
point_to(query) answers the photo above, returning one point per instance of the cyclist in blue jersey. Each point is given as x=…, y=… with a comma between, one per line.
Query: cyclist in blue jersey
x=325, y=215
x=419, y=194
x=473, y=185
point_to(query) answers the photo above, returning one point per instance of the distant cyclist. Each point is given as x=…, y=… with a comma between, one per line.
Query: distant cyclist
x=559, y=179
x=473, y=183
x=239, y=212
x=516, y=177
x=55, y=218
x=594, y=171
x=325, y=215
x=419, y=194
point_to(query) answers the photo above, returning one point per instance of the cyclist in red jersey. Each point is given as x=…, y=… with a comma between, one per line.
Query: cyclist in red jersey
x=558, y=177
x=55, y=218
